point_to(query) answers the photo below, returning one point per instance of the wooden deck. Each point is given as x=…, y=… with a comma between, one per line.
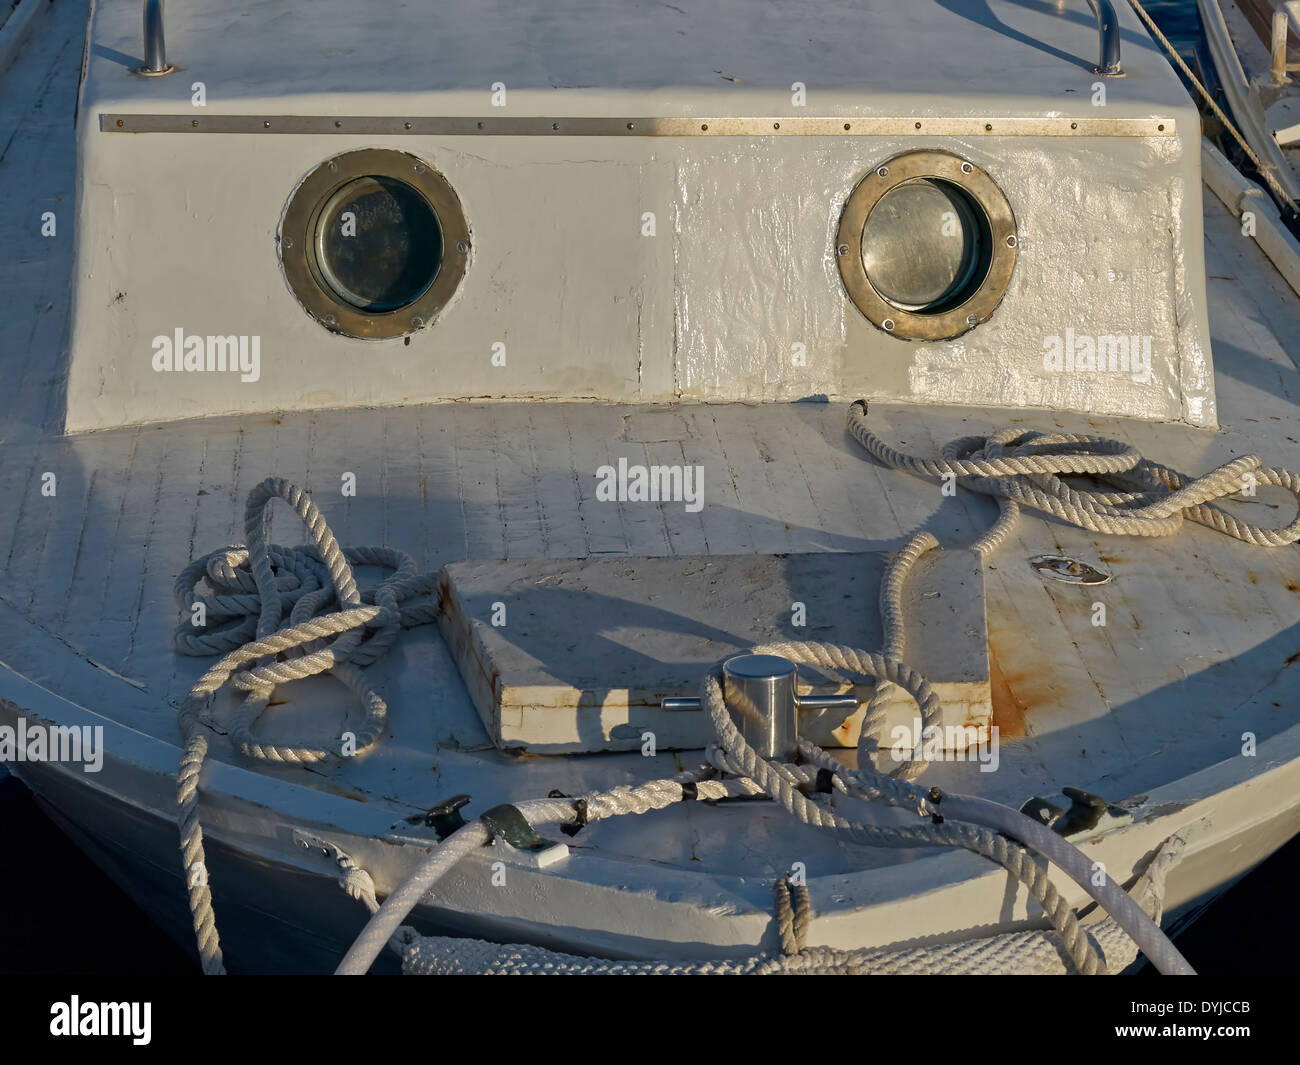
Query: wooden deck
x=1199, y=645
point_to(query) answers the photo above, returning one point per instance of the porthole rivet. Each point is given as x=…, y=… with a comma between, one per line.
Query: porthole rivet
x=843, y=249
x=1011, y=241
x=329, y=319
x=419, y=168
x=462, y=247
x=966, y=168
x=887, y=325
x=287, y=242
x=882, y=171
x=333, y=166
x=417, y=322
x=972, y=319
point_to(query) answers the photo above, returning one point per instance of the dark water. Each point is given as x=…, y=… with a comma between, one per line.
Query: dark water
x=42, y=874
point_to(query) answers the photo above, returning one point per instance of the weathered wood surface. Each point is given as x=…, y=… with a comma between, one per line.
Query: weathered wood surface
x=576, y=654
x=1199, y=645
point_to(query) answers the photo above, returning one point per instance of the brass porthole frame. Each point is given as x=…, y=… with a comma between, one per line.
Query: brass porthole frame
x=1004, y=241
x=297, y=243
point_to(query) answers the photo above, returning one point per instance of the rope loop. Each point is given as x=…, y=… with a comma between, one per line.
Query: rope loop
x=1133, y=496
x=331, y=629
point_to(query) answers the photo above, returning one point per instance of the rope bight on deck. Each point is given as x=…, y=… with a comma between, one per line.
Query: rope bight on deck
x=249, y=588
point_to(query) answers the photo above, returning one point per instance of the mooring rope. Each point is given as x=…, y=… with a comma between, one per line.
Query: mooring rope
x=250, y=586
x=1032, y=952
x=1265, y=170
x=1024, y=467
x=1017, y=467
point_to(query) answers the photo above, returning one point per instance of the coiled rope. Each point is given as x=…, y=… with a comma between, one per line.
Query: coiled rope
x=250, y=587
x=1022, y=467
x=1015, y=466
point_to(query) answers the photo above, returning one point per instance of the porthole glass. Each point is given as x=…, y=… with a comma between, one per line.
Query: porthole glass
x=378, y=243
x=374, y=243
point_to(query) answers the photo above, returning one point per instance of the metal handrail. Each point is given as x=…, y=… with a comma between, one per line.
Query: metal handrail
x=155, y=45
x=1108, y=28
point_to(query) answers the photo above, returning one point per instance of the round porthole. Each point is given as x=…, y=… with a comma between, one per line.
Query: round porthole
x=374, y=243
x=926, y=246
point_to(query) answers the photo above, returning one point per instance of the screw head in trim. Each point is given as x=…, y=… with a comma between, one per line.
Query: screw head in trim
x=882, y=171
x=887, y=325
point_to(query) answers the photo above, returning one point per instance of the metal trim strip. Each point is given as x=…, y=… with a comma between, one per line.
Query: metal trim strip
x=496, y=126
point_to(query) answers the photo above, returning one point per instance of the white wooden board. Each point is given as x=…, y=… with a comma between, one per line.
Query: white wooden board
x=563, y=655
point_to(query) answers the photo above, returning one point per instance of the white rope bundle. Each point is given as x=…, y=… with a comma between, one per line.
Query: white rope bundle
x=1024, y=467
x=249, y=588
x=1015, y=466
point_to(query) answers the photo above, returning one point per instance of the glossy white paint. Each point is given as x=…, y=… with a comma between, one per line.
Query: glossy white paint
x=735, y=297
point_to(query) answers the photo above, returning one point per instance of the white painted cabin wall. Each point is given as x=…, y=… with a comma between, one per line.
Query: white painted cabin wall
x=178, y=230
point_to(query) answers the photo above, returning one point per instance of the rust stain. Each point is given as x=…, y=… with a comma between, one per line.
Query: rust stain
x=1008, y=710
x=1291, y=586
x=1252, y=576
